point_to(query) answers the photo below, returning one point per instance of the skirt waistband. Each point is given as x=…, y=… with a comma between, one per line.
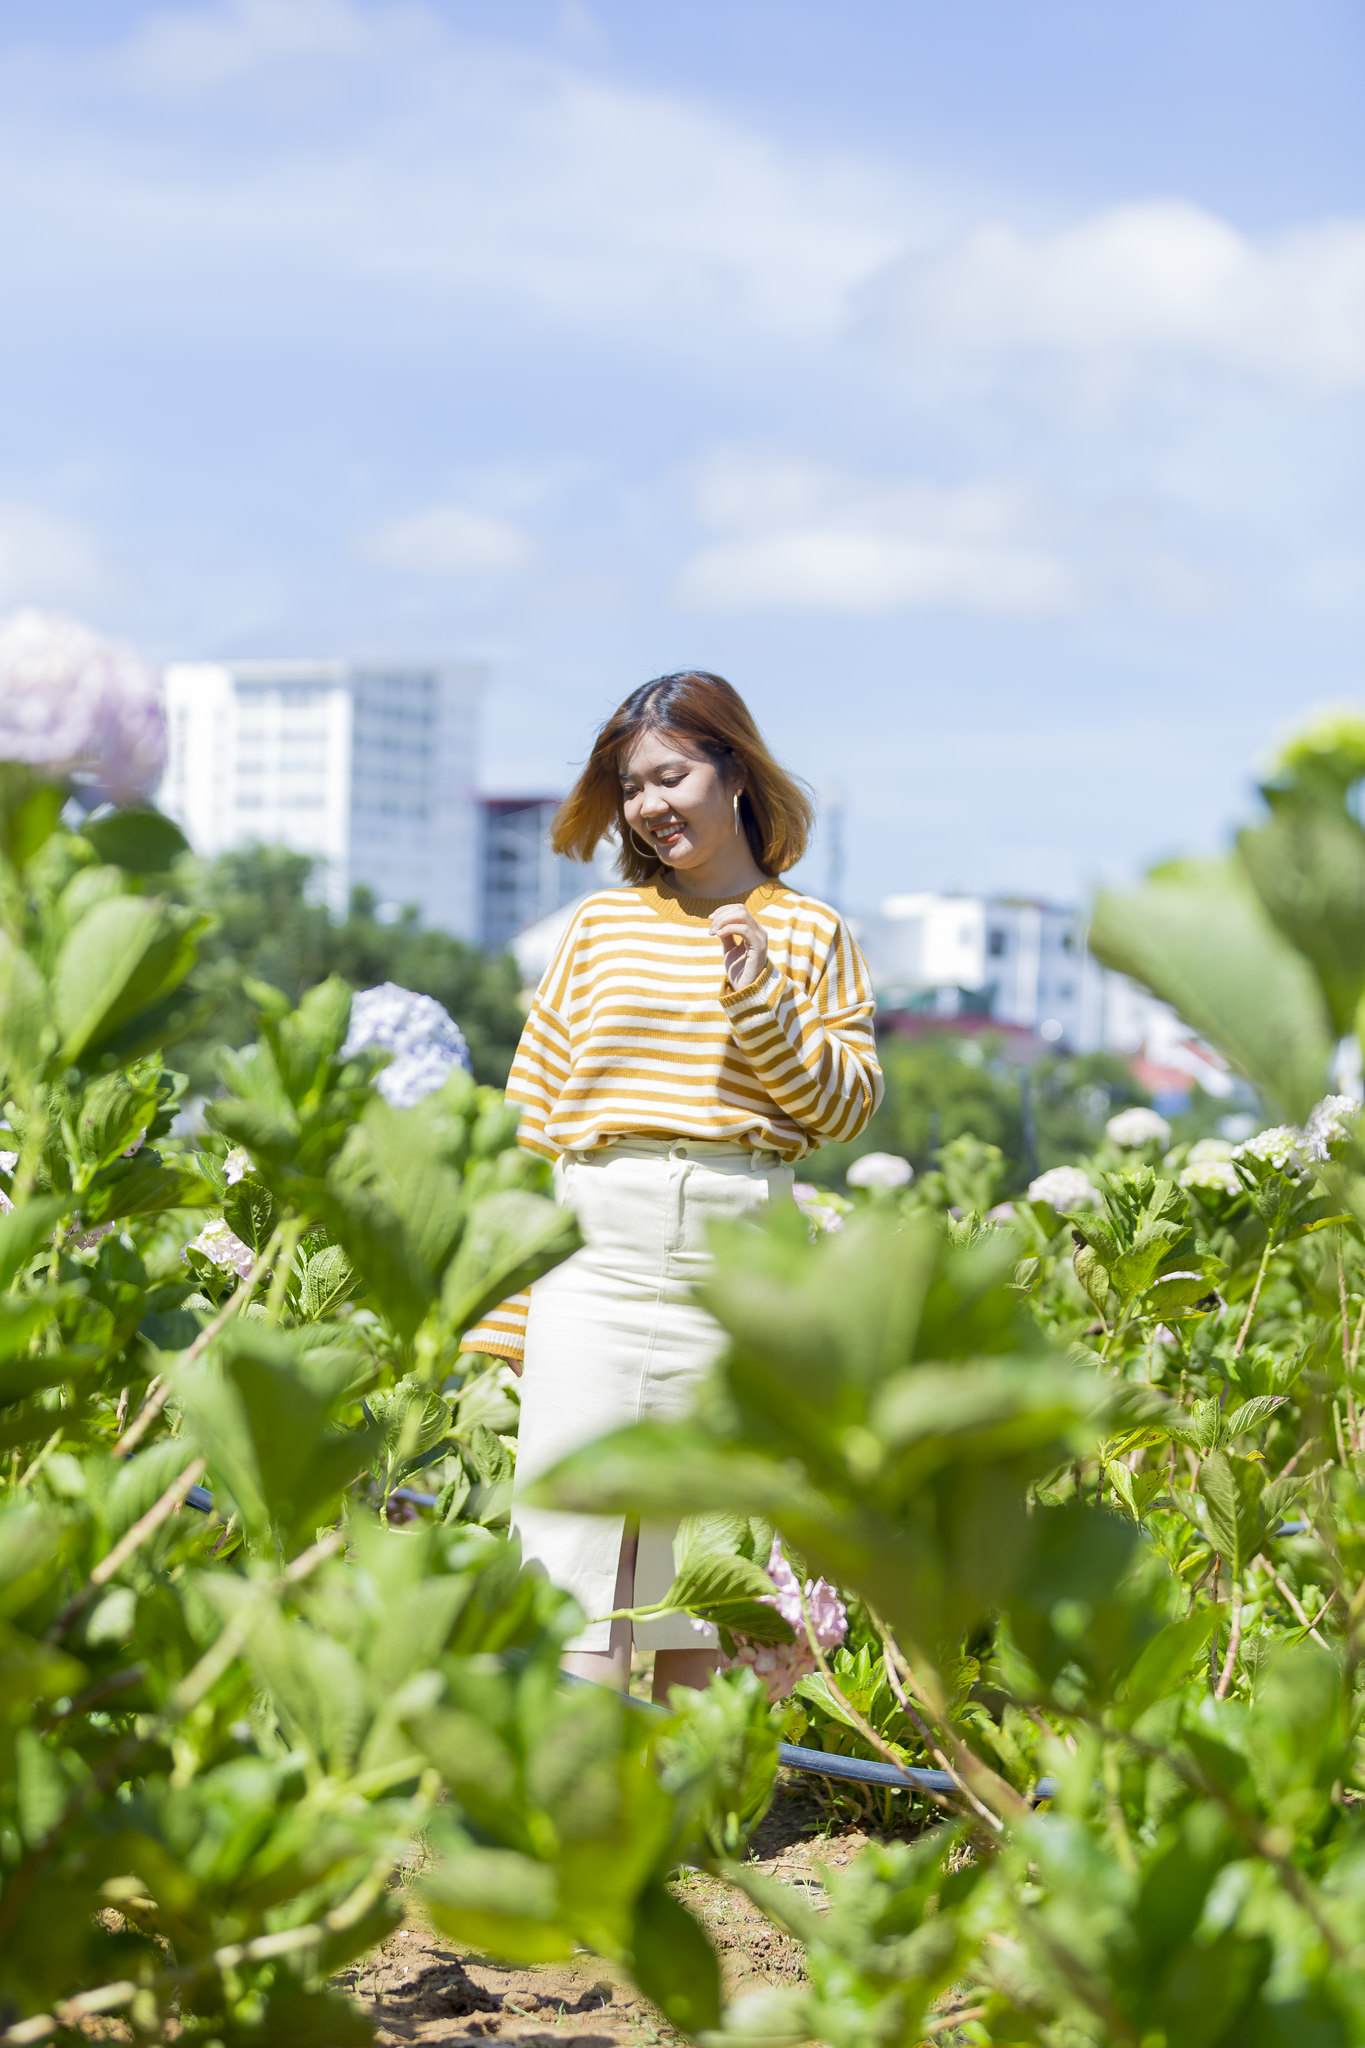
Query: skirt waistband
x=713, y=1151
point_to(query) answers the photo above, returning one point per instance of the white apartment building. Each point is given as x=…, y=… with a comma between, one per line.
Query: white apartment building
x=369, y=767
x=1021, y=963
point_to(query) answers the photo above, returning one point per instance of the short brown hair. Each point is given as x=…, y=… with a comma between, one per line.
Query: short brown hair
x=708, y=715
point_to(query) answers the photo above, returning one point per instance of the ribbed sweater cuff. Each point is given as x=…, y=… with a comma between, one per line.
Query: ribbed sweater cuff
x=754, y=996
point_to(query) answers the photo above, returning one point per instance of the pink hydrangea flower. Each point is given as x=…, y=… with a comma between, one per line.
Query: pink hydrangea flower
x=782, y=1666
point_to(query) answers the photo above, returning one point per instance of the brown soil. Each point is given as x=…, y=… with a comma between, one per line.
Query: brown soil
x=419, y=1988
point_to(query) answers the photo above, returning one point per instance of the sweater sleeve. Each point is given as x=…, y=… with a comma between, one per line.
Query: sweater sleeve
x=814, y=1049
x=539, y=1071
x=502, y=1333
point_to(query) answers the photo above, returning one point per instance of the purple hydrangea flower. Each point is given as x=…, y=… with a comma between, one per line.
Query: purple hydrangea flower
x=426, y=1042
x=74, y=703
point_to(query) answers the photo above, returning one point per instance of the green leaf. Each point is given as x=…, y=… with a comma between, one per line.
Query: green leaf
x=114, y=1112
x=123, y=956
x=1197, y=935
x=499, y=1902
x=1307, y=864
x=673, y=1962
x=27, y=1036
x=250, y=1211
x=30, y=810
x=510, y=1240
x=328, y=1278
x=139, y=838
x=1166, y=1661
x=259, y=1408
x=25, y=1229
x=1252, y=1413
x=730, y=1591
x=1231, y=1488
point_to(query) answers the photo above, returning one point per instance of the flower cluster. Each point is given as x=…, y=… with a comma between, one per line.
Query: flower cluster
x=237, y=1165
x=817, y=1208
x=1133, y=1128
x=1282, y=1146
x=880, y=1170
x=1211, y=1176
x=782, y=1666
x=1064, y=1188
x=8, y=1162
x=426, y=1042
x=1327, y=1126
x=223, y=1248
x=73, y=703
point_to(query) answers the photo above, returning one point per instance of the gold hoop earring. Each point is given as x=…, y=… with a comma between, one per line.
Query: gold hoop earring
x=649, y=852
x=735, y=805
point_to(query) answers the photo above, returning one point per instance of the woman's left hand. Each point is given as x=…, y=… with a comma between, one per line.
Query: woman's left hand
x=745, y=943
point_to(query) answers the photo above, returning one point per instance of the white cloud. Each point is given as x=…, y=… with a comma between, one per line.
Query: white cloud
x=1157, y=278
x=184, y=50
x=448, y=541
x=797, y=537
x=287, y=152
x=46, y=560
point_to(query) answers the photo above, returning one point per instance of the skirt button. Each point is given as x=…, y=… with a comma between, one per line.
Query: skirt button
x=680, y=1151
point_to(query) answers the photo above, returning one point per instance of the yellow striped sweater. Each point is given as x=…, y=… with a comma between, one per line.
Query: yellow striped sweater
x=636, y=1031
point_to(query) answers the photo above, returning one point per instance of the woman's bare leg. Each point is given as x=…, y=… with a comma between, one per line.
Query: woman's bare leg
x=683, y=1667
x=612, y=1667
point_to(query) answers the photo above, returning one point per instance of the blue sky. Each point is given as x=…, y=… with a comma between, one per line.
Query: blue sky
x=979, y=387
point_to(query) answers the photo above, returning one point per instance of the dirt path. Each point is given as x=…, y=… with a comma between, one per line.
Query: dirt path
x=420, y=1988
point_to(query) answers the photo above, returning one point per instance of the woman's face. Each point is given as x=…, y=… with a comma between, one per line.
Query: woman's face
x=677, y=801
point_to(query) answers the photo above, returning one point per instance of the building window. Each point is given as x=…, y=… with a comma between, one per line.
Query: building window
x=1068, y=942
x=995, y=944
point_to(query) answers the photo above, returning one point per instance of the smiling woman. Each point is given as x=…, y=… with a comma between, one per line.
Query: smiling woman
x=698, y=1031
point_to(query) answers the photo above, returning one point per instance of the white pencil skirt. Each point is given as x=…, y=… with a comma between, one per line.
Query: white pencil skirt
x=615, y=1337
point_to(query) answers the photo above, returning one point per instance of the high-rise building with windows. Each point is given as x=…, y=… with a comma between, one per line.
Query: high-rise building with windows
x=522, y=879
x=367, y=766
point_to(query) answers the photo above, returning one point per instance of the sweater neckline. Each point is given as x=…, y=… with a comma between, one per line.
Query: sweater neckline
x=670, y=901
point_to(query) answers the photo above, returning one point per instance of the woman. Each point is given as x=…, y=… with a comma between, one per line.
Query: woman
x=697, y=1032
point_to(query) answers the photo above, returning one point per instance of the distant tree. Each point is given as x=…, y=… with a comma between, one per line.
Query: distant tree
x=272, y=927
x=946, y=1084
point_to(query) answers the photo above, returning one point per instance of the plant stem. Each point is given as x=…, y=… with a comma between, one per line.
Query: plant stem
x=159, y=1391
x=1353, y=1424
x=1255, y=1294
x=288, y=1234
x=1234, y=1640
x=1295, y=1605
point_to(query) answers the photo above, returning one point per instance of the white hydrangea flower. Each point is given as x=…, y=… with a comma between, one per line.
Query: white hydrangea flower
x=813, y=1205
x=1064, y=1188
x=222, y=1247
x=426, y=1042
x=1327, y=1124
x=72, y=702
x=237, y=1165
x=1132, y=1128
x=1217, y=1176
x=880, y=1170
x=1281, y=1146
x=1209, y=1148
